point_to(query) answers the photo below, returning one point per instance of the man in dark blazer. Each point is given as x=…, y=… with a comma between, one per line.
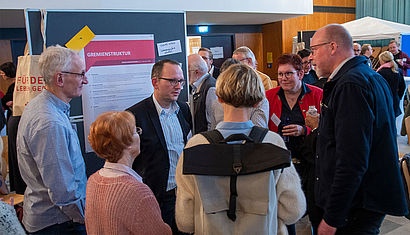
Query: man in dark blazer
x=166, y=124
x=357, y=173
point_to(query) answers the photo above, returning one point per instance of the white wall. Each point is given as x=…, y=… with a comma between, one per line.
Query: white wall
x=253, y=6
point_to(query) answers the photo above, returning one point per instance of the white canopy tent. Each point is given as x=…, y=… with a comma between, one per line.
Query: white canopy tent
x=370, y=28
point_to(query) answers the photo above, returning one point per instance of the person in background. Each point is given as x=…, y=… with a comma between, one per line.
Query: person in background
x=259, y=114
x=310, y=76
x=48, y=149
x=246, y=56
x=202, y=89
x=167, y=126
x=117, y=201
x=357, y=174
x=208, y=56
x=8, y=73
x=394, y=77
x=357, y=49
x=266, y=201
x=367, y=51
x=401, y=58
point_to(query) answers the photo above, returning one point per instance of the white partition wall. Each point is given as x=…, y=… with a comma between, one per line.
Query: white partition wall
x=210, y=11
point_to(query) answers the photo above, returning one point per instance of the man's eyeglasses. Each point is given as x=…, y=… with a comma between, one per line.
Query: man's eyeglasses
x=306, y=62
x=174, y=81
x=243, y=59
x=138, y=130
x=82, y=75
x=287, y=74
x=205, y=58
x=314, y=47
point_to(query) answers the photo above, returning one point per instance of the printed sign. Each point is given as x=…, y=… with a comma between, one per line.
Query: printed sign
x=169, y=48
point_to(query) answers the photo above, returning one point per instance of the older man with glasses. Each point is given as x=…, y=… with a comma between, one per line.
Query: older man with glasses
x=166, y=123
x=246, y=56
x=48, y=149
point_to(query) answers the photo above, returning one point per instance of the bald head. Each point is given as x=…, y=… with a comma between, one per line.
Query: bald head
x=330, y=46
x=197, y=67
x=337, y=33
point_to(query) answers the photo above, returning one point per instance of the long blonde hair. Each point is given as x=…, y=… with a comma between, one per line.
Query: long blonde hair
x=387, y=57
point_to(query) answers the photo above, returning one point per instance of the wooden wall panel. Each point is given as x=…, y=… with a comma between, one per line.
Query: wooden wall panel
x=350, y=17
x=310, y=22
x=254, y=41
x=316, y=21
x=272, y=42
x=5, y=48
x=335, y=3
x=5, y=56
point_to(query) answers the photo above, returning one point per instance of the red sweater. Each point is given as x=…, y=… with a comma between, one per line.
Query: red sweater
x=314, y=97
x=121, y=205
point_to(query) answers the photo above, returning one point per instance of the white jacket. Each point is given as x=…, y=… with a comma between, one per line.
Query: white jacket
x=266, y=201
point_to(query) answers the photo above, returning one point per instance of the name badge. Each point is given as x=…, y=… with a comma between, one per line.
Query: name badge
x=275, y=119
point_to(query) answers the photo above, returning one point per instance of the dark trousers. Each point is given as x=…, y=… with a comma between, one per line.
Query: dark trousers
x=362, y=221
x=167, y=206
x=68, y=227
x=359, y=221
x=16, y=182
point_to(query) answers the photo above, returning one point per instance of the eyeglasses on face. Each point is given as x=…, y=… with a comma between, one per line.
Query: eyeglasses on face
x=205, y=58
x=287, y=74
x=315, y=47
x=174, y=81
x=138, y=130
x=306, y=62
x=82, y=75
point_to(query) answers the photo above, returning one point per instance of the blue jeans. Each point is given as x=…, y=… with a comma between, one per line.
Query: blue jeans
x=68, y=227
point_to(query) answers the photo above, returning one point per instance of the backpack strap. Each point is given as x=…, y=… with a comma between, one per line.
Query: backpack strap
x=213, y=137
x=258, y=134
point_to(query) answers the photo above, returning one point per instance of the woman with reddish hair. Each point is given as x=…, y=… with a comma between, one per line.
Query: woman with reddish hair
x=288, y=106
x=117, y=202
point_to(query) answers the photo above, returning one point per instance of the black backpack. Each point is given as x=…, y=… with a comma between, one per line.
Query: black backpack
x=405, y=175
x=247, y=157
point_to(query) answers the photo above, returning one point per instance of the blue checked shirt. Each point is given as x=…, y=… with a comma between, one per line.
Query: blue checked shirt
x=51, y=164
x=173, y=137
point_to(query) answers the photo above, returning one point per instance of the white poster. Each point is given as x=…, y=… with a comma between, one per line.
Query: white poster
x=118, y=68
x=218, y=52
x=169, y=48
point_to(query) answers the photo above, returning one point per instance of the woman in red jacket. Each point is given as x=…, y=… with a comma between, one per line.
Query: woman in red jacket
x=288, y=105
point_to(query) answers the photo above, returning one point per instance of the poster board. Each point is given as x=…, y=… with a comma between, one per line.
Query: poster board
x=62, y=25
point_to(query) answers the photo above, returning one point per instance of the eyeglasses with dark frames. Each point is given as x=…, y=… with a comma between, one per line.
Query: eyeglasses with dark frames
x=174, y=81
x=315, y=47
x=82, y=75
x=286, y=74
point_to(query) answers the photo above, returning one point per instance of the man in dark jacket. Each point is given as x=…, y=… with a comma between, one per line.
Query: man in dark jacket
x=202, y=86
x=357, y=173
